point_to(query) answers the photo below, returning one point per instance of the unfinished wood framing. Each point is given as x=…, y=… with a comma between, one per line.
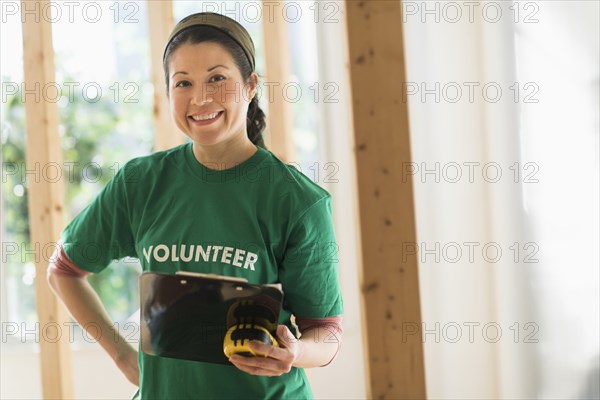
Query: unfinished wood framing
x=280, y=117
x=161, y=23
x=390, y=284
x=45, y=193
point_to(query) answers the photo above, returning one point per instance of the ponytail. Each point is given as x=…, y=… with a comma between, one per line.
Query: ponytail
x=255, y=123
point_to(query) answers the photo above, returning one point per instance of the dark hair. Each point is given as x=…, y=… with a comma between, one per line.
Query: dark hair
x=255, y=119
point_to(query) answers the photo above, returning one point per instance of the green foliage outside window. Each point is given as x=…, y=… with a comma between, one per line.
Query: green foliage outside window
x=93, y=149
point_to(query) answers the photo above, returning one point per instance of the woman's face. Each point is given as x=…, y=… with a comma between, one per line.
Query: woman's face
x=208, y=97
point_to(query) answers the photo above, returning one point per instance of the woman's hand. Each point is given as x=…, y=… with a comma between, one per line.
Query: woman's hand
x=128, y=364
x=85, y=306
x=279, y=360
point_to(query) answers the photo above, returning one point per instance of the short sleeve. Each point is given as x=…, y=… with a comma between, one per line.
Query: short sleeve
x=309, y=269
x=102, y=231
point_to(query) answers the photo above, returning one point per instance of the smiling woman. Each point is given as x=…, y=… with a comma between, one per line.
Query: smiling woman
x=208, y=71
x=184, y=202
x=209, y=98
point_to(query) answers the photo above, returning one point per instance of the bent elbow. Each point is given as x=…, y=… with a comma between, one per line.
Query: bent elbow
x=51, y=276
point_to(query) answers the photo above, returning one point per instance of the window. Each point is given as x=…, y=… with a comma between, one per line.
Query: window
x=105, y=111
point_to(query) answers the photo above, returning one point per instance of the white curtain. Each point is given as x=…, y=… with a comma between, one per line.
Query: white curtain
x=541, y=292
x=561, y=54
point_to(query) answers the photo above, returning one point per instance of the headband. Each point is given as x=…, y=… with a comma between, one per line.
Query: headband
x=225, y=24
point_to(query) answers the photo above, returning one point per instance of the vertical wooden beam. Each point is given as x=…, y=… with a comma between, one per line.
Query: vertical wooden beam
x=160, y=25
x=390, y=283
x=280, y=117
x=46, y=197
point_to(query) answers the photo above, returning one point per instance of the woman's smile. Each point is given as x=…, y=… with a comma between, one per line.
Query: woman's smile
x=205, y=118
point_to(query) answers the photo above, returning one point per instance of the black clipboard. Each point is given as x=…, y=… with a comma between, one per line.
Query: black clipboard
x=187, y=315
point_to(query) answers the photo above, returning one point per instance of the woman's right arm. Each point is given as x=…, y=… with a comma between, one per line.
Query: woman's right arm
x=85, y=306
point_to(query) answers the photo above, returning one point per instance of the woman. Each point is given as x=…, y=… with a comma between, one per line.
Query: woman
x=222, y=191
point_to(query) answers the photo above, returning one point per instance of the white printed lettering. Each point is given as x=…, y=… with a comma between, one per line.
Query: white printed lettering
x=205, y=254
x=238, y=257
x=182, y=255
x=230, y=255
x=159, y=248
x=216, y=253
x=250, y=260
x=226, y=255
x=174, y=257
x=147, y=254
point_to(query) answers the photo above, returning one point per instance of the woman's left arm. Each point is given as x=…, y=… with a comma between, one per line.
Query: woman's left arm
x=308, y=274
x=317, y=347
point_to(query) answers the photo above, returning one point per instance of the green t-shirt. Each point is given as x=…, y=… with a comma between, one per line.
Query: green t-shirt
x=262, y=220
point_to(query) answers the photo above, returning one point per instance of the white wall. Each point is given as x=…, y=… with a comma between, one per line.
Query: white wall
x=94, y=374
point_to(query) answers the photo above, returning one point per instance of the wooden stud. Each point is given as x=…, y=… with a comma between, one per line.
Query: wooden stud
x=280, y=117
x=161, y=23
x=390, y=283
x=46, y=196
